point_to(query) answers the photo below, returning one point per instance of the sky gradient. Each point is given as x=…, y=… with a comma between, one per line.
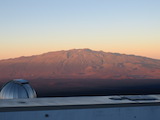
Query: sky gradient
x=29, y=27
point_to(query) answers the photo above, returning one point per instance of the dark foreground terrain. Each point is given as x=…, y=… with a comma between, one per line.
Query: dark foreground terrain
x=89, y=87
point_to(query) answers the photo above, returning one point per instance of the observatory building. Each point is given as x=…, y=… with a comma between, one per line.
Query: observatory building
x=122, y=107
x=17, y=88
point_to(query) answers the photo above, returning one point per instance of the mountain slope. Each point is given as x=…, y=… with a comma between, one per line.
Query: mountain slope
x=80, y=63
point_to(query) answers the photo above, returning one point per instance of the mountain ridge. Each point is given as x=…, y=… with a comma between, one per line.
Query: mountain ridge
x=80, y=63
x=85, y=49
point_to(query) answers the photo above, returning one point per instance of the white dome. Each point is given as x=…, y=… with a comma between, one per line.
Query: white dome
x=17, y=88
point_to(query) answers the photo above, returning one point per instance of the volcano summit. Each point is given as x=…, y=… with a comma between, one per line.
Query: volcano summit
x=80, y=63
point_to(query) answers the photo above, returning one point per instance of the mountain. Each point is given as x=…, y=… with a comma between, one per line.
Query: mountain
x=80, y=63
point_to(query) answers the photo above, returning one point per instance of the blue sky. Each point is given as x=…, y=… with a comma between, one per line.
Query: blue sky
x=30, y=27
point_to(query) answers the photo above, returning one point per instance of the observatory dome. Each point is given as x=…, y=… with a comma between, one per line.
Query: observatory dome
x=17, y=88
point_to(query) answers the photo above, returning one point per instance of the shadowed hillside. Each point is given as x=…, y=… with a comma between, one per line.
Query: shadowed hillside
x=80, y=63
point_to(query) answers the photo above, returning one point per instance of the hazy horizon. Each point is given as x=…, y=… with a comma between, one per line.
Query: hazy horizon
x=35, y=27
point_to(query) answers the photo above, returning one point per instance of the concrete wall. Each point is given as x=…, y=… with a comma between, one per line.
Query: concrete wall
x=81, y=108
x=122, y=113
